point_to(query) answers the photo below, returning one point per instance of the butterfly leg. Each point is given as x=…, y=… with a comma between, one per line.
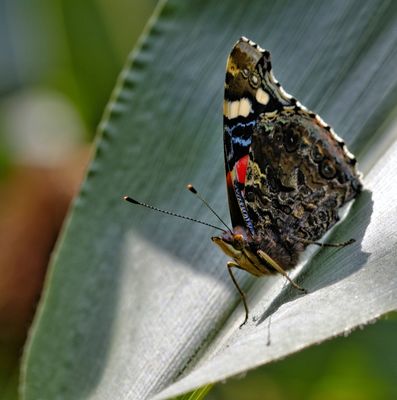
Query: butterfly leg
x=342, y=244
x=231, y=265
x=268, y=260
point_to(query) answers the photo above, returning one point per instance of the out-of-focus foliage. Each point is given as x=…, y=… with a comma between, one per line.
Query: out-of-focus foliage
x=74, y=47
x=67, y=52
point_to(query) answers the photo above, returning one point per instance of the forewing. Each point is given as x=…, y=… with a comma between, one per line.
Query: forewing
x=245, y=101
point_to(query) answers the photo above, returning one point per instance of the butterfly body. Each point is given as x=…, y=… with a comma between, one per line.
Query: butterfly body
x=287, y=172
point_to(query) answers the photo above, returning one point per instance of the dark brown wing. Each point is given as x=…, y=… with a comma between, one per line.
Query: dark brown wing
x=288, y=174
x=298, y=177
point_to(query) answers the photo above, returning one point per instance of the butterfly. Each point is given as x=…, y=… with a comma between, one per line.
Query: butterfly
x=287, y=172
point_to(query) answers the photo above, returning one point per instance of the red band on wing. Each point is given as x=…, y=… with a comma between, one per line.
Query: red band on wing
x=241, y=169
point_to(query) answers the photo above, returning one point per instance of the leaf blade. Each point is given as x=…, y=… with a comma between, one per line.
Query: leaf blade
x=129, y=313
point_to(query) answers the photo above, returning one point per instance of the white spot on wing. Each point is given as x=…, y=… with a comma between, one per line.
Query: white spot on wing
x=234, y=109
x=302, y=107
x=347, y=152
x=262, y=96
x=284, y=93
x=320, y=120
x=337, y=138
x=245, y=107
x=272, y=78
x=237, y=108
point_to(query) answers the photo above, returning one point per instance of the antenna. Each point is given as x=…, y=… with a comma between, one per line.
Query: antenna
x=133, y=201
x=191, y=188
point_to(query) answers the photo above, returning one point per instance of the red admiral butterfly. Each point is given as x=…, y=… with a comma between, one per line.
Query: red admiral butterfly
x=287, y=172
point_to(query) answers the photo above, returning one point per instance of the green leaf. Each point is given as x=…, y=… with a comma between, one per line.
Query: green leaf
x=140, y=305
x=196, y=394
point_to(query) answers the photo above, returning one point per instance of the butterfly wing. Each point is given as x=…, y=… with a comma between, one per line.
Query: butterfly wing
x=287, y=172
x=244, y=102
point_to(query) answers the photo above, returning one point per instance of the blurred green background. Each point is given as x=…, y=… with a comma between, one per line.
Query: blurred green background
x=69, y=52
x=59, y=61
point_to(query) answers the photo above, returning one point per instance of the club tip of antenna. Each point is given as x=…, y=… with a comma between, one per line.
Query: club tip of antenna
x=131, y=200
x=191, y=188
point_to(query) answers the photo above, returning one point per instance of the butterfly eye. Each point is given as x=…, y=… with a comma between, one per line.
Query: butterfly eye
x=245, y=72
x=238, y=242
x=327, y=170
x=317, y=153
x=254, y=80
x=291, y=140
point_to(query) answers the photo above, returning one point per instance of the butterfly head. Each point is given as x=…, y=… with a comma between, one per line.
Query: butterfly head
x=234, y=243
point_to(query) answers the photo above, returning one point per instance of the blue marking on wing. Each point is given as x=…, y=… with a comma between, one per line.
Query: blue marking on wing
x=242, y=142
x=238, y=139
x=230, y=129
